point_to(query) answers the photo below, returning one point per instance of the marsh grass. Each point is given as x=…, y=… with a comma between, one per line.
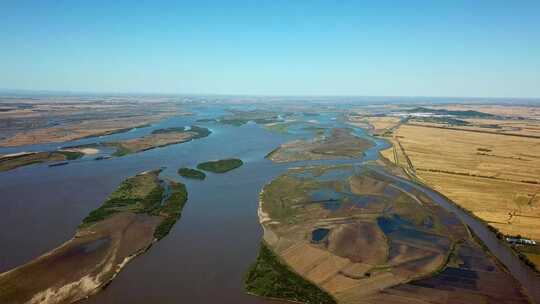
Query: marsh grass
x=270, y=277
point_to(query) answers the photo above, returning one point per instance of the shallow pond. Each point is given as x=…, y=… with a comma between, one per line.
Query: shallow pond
x=319, y=234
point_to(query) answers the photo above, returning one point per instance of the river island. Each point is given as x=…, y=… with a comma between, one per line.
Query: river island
x=141, y=211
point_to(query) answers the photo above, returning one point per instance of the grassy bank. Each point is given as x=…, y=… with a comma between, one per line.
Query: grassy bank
x=171, y=210
x=220, y=166
x=270, y=277
x=11, y=162
x=139, y=194
x=143, y=193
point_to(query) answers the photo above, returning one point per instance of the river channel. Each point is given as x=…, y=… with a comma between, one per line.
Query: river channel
x=205, y=256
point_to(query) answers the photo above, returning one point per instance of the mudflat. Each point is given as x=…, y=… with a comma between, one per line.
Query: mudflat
x=341, y=143
x=9, y=162
x=136, y=215
x=358, y=236
x=158, y=138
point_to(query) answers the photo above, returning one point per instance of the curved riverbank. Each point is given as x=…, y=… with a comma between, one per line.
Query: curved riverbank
x=126, y=225
x=526, y=276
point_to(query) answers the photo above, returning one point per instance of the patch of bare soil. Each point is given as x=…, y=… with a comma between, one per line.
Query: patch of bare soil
x=82, y=265
x=340, y=144
x=360, y=242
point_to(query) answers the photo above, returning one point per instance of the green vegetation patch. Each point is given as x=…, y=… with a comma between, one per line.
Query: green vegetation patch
x=144, y=193
x=269, y=154
x=207, y=120
x=317, y=131
x=238, y=118
x=191, y=173
x=140, y=194
x=458, y=113
x=279, y=127
x=171, y=209
x=120, y=150
x=270, y=277
x=11, y=162
x=198, y=132
x=443, y=120
x=234, y=121
x=220, y=166
x=71, y=155
x=285, y=194
x=123, y=149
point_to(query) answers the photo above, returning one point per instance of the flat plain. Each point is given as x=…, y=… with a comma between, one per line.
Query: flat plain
x=336, y=228
x=363, y=239
x=26, y=121
x=494, y=176
x=488, y=166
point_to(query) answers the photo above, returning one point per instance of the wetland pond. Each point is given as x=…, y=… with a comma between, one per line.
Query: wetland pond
x=527, y=277
x=318, y=235
x=206, y=254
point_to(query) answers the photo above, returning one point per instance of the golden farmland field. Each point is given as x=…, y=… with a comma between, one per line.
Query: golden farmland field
x=497, y=177
x=525, y=128
x=377, y=124
x=501, y=110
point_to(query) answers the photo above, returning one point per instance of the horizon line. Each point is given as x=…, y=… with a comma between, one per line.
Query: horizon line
x=4, y=91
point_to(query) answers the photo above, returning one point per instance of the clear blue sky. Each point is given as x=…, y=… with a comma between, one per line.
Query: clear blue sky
x=412, y=48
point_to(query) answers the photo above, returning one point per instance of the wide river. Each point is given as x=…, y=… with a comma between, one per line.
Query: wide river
x=204, y=257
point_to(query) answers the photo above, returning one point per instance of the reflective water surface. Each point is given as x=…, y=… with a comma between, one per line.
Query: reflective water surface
x=206, y=254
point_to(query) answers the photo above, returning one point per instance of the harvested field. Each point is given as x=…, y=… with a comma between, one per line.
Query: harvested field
x=125, y=226
x=378, y=125
x=494, y=176
x=529, y=129
x=513, y=111
x=507, y=126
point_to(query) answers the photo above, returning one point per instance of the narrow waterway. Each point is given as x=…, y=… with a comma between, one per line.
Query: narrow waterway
x=526, y=276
